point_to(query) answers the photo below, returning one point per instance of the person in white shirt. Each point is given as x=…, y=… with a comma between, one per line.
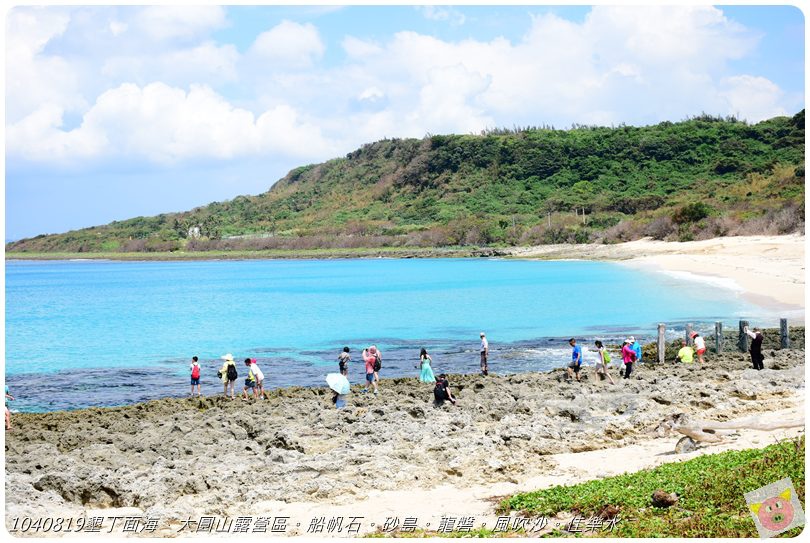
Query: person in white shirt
x=257, y=373
x=484, y=354
x=700, y=346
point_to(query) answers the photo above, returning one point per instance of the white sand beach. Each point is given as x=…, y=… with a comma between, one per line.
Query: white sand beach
x=769, y=270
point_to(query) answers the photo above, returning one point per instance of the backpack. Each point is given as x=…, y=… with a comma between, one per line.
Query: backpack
x=232, y=375
x=377, y=362
x=195, y=371
x=606, y=356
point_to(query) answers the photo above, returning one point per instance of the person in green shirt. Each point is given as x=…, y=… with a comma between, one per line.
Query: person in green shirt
x=686, y=354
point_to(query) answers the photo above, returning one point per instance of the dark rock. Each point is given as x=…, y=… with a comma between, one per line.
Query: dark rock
x=661, y=498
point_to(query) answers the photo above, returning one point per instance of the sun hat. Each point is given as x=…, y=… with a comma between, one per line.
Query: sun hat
x=632, y=339
x=252, y=360
x=228, y=357
x=482, y=334
x=693, y=334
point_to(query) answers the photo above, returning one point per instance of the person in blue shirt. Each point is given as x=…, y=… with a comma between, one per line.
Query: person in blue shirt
x=576, y=359
x=636, y=346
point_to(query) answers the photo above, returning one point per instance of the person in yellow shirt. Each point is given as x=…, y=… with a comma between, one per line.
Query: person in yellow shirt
x=686, y=354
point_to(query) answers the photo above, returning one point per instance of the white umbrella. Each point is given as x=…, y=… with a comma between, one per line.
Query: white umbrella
x=338, y=383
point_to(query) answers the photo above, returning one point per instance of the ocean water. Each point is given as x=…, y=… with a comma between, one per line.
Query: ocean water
x=90, y=333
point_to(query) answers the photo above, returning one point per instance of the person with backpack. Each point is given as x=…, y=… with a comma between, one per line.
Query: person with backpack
x=426, y=376
x=228, y=374
x=441, y=392
x=195, y=376
x=628, y=357
x=250, y=383
x=371, y=361
x=604, y=361
x=636, y=346
x=377, y=362
x=343, y=361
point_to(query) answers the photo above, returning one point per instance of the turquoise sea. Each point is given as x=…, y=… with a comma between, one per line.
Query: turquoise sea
x=81, y=333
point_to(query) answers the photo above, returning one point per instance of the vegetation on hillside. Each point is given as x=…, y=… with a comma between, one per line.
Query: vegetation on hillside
x=696, y=179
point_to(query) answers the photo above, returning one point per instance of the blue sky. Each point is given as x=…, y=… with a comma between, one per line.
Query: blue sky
x=115, y=112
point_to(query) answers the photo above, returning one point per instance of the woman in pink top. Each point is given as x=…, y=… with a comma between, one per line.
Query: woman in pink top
x=628, y=357
x=370, y=357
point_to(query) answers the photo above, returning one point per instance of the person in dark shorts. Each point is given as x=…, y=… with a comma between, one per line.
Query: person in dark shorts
x=757, y=357
x=195, y=375
x=441, y=392
x=484, y=354
x=576, y=359
x=343, y=361
x=628, y=357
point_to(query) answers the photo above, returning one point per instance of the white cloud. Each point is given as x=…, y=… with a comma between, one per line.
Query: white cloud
x=168, y=101
x=289, y=44
x=178, y=22
x=753, y=98
x=437, y=13
x=33, y=79
x=165, y=124
x=207, y=61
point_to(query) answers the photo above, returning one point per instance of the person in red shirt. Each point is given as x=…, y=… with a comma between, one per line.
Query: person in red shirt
x=628, y=357
x=370, y=359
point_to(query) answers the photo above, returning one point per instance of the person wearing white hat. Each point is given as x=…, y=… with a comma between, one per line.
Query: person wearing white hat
x=636, y=346
x=228, y=375
x=628, y=357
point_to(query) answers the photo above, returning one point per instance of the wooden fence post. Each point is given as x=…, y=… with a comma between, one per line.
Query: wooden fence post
x=742, y=342
x=718, y=337
x=783, y=332
x=689, y=334
x=662, y=345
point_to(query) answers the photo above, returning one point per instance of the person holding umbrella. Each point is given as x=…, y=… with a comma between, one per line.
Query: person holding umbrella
x=340, y=386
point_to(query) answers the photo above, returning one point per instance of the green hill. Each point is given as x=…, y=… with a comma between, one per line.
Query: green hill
x=695, y=179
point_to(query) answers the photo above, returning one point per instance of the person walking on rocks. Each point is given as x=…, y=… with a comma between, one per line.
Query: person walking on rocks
x=426, y=376
x=195, y=376
x=576, y=359
x=628, y=357
x=441, y=392
x=686, y=353
x=257, y=373
x=757, y=358
x=250, y=383
x=636, y=346
x=371, y=360
x=484, y=354
x=8, y=413
x=228, y=375
x=343, y=361
x=604, y=361
x=700, y=346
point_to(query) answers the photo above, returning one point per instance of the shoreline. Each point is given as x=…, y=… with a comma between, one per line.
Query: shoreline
x=174, y=459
